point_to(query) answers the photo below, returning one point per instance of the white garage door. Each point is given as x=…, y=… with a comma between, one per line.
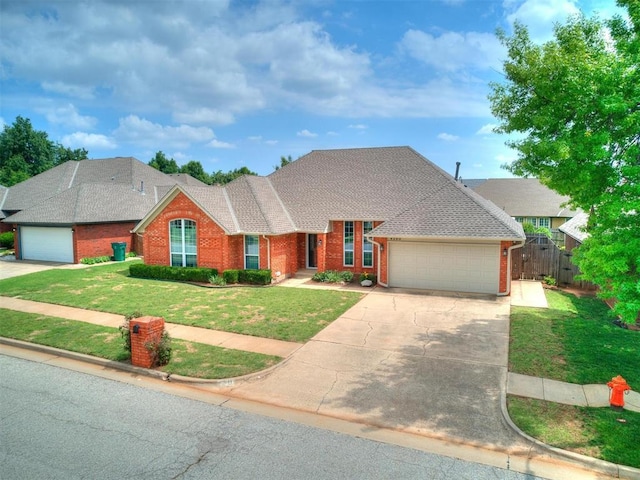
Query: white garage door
x=442, y=266
x=46, y=243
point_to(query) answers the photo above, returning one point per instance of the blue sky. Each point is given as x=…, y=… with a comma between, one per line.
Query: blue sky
x=235, y=84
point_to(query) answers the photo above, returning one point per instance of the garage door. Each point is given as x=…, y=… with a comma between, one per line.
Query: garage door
x=444, y=266
x=46, y=243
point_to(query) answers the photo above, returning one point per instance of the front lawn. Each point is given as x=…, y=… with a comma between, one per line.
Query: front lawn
x=292, y=314
x=575, y=341
x=190, y=359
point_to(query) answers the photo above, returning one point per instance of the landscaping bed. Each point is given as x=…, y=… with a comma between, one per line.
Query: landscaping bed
x=575, y=340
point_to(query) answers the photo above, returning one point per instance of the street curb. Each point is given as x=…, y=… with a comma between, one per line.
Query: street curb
x=602, y=466
x=167, y=377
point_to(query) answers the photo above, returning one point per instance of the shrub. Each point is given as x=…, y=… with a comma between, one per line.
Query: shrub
x=131, y=254
x=549, y=280
x=180, y=274
x=6, y=239
x=125, y=331
x=217, y=280
x=333, y=276
x=160, y=350
x=94, y=260
x=368, y=276
x=254, y=277
x=230, y=276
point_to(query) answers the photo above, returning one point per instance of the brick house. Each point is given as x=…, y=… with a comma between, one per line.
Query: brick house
x=386, y=211
x=77, y=209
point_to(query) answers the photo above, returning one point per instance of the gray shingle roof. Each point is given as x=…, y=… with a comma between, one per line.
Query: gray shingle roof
x=186, y=179
x=575, y=227
x=59, y=187
x=523, y=197
x=89, y=203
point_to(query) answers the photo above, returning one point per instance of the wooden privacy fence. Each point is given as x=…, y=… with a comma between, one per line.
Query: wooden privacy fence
x=539, y=257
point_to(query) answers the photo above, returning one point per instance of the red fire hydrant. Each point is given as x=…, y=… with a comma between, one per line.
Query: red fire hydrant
x=619, y=387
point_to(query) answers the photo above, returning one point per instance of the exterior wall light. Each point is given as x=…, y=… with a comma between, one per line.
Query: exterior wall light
x=505, y=252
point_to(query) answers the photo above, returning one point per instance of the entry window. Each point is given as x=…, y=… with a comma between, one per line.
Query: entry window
x=182, y=234
x=367, y=246
x=251, y=252
x=348, y=243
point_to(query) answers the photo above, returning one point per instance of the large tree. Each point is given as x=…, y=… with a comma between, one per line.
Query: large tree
x=573, y=104
x=221, y=178
x=164, y=164
x=25, y=152
x=194, y=168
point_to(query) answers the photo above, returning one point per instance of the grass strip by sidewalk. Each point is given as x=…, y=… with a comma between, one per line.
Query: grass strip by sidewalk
x=190, y=359
x=575, y=340
x=596, y=432
x=291, y=314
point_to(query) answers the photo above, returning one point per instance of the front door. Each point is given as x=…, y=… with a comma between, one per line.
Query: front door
x=312, y=251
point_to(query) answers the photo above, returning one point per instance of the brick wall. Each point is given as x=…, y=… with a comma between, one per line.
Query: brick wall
x=213, y=244
x=95, y=240
x=149, y=330
x=284, y=254
x=504, y=268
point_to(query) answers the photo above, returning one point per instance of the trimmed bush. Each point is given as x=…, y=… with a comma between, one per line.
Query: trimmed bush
x=180, y=274
x=248, y=277
x=6, y=239
x=255, y=277
x=230, y=276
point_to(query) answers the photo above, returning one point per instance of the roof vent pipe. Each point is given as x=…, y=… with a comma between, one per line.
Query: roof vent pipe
x=457, y=171
x=142, y=188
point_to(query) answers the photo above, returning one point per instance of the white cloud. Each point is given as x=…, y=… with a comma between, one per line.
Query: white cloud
x=218, y=144
x=453, y=51
x=332, y=134
x=306, y=133
x=88, y=141
x=447, y=137
x=540, y=15
x=255, y=138
x=69, y=116
x=271, y=142
x=359, y=126
x=487, y=129
x=142, y=132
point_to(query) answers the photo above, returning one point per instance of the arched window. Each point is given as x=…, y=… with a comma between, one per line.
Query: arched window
x=182, y=234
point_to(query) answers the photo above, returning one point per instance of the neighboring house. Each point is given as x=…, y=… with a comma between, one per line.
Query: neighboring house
x=4, y=227
x=525, y=199
x=77, y=209
x=385, y=211
x=575, y=231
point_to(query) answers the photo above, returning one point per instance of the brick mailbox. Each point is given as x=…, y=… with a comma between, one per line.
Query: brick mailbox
x=144, y=331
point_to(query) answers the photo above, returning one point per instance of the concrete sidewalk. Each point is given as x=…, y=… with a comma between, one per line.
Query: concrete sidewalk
x=566, y=393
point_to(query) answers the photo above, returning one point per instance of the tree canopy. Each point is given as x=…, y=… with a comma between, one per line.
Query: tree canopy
x=164, y=164
x=25, y=152
x=284, y=161
x=574, y=105
x=220, y=178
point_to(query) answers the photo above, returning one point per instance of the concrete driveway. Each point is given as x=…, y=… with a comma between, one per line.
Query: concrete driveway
x=428, y=364
x=10, y=267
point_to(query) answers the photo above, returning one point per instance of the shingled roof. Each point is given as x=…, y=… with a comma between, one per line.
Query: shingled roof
x=522, y=197
x=88, y=191
x=576, y=226
x=395, y=185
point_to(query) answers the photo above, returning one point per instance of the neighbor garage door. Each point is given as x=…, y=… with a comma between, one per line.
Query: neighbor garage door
x=46, y=243
x=445, y=266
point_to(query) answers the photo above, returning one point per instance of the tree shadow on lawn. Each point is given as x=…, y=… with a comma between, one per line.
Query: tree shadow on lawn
x=446, y=383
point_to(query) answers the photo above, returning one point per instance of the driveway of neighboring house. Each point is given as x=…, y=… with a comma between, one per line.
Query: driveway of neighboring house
x=10, y=267
x=419, y=362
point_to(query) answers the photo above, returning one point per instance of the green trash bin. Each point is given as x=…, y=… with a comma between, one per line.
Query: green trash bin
x=119, y=251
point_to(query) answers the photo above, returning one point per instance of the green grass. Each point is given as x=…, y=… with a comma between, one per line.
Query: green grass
x=292, y=314
x=597, y=432
x=190, y=359
x=575, y=341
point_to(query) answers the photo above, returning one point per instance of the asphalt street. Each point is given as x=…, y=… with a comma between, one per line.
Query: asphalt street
x=60, y=424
